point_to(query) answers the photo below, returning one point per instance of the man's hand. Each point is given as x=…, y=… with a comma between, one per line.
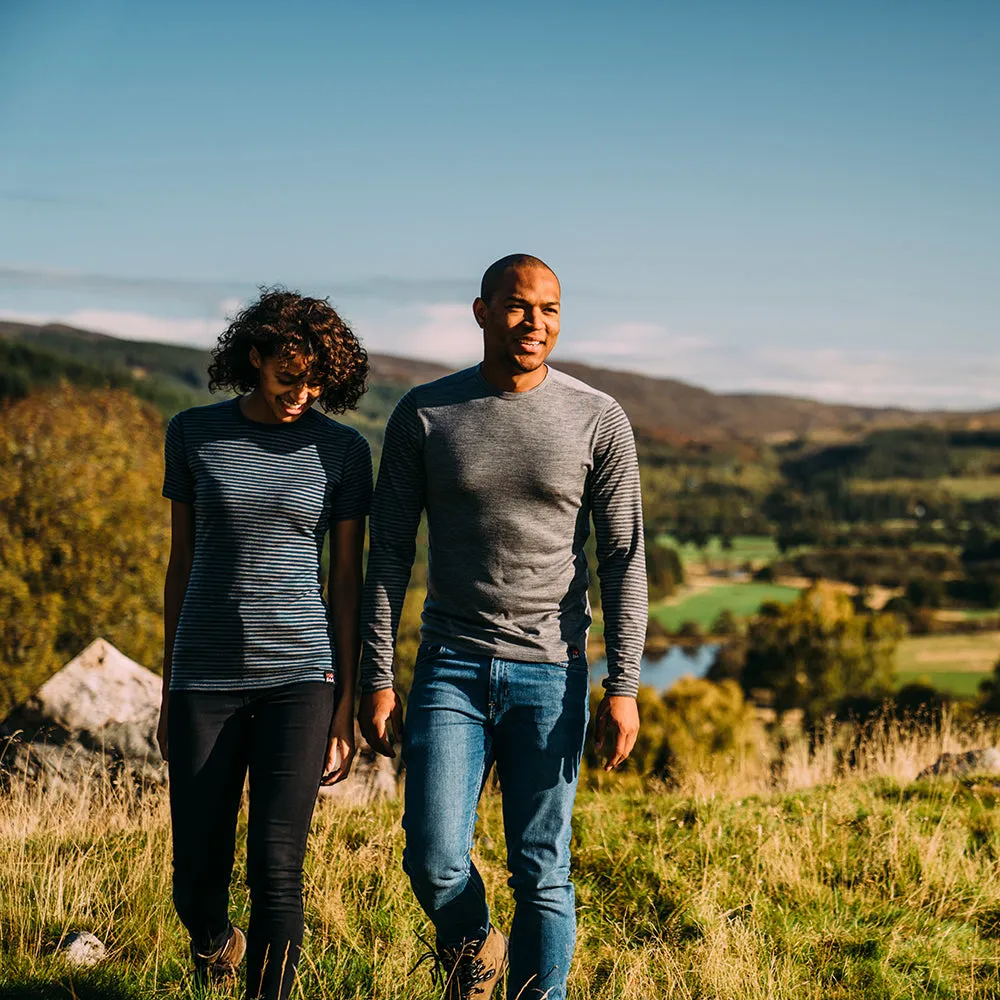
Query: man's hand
x=381, y=719
x=161, y=730
x=616, y=728
x=341, y=750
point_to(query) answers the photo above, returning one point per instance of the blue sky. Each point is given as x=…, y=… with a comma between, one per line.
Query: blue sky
x=788, y=197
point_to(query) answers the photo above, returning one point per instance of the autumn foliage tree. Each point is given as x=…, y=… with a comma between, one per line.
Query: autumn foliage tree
x=84, y=534
x=818, y=650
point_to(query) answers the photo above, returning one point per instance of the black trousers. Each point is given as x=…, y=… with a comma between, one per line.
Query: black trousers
x=279, y=736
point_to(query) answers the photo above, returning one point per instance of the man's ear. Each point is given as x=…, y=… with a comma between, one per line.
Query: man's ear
x=255, y=359
x=479, y=308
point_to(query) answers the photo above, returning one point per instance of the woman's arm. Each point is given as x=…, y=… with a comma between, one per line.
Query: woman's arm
x=174, y=588
x=347, y=539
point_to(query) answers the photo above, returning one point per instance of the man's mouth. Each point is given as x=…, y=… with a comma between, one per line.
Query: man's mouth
x=529, y=345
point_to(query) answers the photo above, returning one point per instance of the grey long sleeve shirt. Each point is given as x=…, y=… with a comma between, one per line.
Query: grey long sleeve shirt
x=510, y=481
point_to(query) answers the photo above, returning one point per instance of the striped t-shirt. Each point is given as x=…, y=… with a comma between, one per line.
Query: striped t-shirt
x=264, y=496
x=510, y=482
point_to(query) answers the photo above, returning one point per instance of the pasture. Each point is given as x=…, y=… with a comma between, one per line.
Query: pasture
x=704, y=605
x=755, y=549
x=954, y=664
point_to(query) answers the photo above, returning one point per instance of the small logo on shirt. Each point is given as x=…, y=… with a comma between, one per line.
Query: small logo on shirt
x=328, y=677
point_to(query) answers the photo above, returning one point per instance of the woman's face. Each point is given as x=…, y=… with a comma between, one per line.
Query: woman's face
x=282, y=386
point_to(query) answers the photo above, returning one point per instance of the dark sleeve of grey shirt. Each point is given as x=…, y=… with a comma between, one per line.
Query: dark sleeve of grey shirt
x=616, y=505
x=395, y=517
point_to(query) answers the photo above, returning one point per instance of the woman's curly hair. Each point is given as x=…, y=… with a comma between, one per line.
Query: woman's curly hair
x=286, y=324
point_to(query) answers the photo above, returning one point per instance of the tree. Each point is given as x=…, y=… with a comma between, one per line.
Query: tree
x=84, y=533
x=818, y=650
x=664, y=570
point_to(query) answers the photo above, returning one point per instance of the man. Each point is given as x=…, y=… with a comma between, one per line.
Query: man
x=510, y=459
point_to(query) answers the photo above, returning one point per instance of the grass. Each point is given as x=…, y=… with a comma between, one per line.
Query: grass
x=742, y=883
x=976, y=653
x=704, y=606
x=964, y=487
x=961, y=684
x=746, y=548
x=954, y=664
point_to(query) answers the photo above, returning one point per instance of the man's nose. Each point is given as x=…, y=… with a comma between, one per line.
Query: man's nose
x=534, y=317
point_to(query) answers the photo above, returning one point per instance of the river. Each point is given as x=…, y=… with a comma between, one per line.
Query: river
x=661, y=672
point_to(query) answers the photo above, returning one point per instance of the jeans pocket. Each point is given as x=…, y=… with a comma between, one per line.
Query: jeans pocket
x=577, y=663
x=427, y=651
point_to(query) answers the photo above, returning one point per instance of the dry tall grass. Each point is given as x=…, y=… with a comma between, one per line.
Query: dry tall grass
x=744, y=882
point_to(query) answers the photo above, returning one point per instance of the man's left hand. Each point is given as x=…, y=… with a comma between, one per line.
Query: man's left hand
x=616, y=728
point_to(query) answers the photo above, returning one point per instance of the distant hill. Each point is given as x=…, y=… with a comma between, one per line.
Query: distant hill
x=660, y=408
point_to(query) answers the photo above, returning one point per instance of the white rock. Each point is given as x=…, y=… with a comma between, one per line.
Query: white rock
x=100, y=697
x=82, y=948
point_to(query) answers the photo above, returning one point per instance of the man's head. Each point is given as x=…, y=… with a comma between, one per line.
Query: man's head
x=518, y=311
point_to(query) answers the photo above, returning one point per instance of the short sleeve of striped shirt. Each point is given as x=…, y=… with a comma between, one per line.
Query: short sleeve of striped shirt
x=178, y=483
x=354, y=498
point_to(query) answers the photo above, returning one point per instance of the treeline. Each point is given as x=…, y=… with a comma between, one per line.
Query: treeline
x=25, y=368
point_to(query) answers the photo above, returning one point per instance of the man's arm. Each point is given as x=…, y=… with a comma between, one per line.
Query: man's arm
x=616, y=504
x=396, y=509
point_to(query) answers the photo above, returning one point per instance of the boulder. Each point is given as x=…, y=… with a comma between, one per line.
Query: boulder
x=94, y=718
x=983, y=761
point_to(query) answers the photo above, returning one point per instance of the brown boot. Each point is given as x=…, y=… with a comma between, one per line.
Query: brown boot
x=222, y=964
x=471, y=972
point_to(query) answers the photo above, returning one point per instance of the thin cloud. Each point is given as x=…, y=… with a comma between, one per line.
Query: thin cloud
x=132, y=325
x=389, y=290
x=53, y=200
x=867, y=377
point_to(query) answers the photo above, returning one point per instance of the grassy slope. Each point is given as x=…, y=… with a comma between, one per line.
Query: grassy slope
x=847, y=889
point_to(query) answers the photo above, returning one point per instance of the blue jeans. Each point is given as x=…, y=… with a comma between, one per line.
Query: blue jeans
x=466, y=711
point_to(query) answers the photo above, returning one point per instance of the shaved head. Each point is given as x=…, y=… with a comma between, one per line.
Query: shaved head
x=493, y=275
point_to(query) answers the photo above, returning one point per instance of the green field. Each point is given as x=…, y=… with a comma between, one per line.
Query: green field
x=703, y=607
x=951, y=663
x=746, y=548
x=957, y=683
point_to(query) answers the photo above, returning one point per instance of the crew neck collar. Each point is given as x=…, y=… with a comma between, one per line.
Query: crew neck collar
x=505, y=394
x=260, y=424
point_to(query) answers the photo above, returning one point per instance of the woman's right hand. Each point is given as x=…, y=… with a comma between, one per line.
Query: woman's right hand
x=161, y=731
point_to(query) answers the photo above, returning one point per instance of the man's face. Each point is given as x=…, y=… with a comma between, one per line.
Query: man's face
x=282, y=386
x=521, y=323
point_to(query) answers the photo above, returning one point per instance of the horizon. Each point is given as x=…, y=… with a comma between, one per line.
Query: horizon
x=772, y=199
x=393, y=356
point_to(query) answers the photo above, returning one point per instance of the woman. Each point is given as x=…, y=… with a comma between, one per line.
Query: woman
x=259, y=673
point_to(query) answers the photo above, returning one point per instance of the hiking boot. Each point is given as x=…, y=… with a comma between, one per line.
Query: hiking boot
x=223, y=963
x=473, y=970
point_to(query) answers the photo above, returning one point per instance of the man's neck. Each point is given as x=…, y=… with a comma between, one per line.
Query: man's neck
x=507, y=381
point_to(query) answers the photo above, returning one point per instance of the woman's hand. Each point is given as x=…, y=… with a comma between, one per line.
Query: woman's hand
x=341, y=749
x=161, y=730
